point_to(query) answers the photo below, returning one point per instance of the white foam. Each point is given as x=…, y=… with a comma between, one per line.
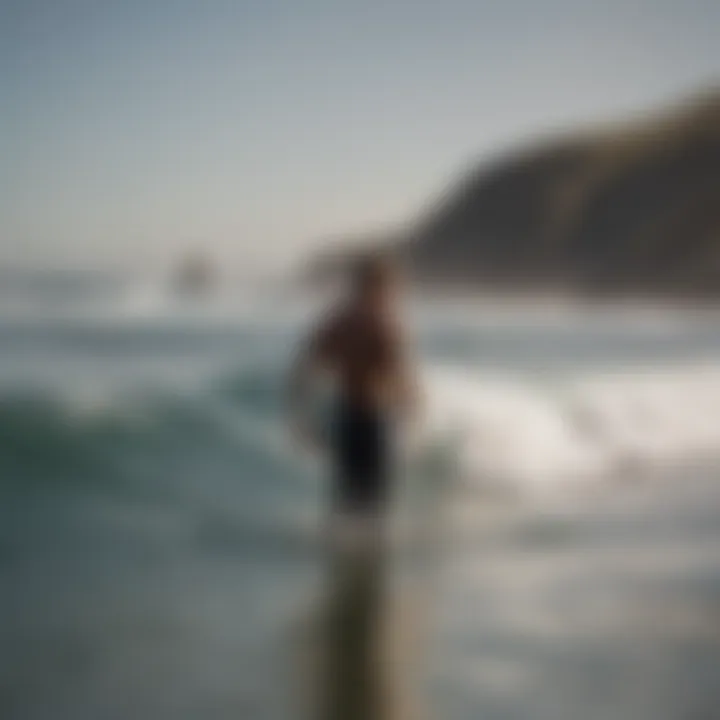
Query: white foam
x=531, y=435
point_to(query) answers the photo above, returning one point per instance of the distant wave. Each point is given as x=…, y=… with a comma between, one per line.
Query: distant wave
x=121, y=297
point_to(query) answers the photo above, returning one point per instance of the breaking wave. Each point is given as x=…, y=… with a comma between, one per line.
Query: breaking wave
x=526, y=435
x=541, y=435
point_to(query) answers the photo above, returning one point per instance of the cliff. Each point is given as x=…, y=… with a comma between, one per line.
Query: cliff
x=630, y=208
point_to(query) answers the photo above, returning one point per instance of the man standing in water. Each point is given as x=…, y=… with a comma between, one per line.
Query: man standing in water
x=361, y=345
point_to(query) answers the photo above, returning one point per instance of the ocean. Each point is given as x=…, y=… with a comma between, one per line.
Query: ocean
x=160, y=540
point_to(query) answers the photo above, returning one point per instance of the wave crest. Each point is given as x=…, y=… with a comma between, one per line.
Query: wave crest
x=538, y=435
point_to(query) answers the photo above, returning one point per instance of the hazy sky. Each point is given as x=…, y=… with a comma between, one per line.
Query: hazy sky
x=133, y=129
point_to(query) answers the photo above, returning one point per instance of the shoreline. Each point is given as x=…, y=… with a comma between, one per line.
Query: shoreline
x=565, y=301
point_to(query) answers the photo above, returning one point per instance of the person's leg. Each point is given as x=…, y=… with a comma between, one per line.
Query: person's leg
x=354, y=688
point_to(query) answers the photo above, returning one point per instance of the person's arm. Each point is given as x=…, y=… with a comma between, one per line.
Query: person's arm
x=313, y=356
x=408, y=395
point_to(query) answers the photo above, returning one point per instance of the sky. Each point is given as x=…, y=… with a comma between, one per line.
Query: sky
x=134, y=130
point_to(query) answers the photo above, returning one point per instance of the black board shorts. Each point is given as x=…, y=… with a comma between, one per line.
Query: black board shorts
x=361, y=457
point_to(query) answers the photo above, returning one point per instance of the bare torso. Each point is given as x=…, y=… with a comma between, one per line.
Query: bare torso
x=365, y=353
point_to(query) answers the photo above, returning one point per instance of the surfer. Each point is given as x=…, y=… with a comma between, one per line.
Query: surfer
x=362, y=345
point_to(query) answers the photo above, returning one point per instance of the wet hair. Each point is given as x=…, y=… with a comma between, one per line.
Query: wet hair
x=373, y=270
